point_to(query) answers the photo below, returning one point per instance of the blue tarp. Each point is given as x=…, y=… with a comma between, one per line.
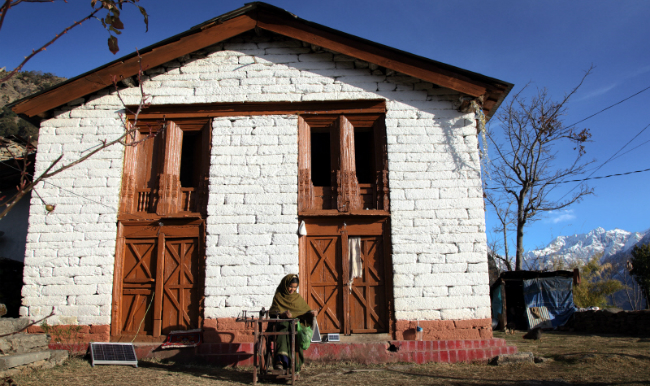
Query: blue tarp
x=497, y=305
x=554, y=293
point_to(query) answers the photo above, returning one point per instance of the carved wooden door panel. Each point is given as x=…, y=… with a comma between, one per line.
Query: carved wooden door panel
x=139, y=277
x=368, y=304
x=325, y=281
x=180, y=297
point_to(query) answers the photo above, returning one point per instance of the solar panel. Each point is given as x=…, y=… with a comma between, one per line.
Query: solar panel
x=113, y=354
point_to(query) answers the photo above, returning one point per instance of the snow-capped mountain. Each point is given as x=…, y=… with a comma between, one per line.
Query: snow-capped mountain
x=565, y=251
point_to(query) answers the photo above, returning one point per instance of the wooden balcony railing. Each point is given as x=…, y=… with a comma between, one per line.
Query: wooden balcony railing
x=147, y=200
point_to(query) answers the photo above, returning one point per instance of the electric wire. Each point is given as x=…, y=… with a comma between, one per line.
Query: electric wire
x=586, y=179
x=609, y=107
x=609, y=159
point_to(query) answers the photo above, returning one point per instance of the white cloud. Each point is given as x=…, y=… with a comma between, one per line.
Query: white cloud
x=561, y=216
x=606, y=89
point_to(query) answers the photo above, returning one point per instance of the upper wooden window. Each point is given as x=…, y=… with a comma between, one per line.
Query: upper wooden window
x=342, y=163
x=166, y=174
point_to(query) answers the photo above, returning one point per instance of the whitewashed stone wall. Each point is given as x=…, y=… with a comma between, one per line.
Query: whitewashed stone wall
x=438, y=230
x=252, y=239
x=70, y=252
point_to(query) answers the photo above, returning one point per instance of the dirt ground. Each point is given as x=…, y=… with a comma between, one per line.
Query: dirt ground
x=573, y=359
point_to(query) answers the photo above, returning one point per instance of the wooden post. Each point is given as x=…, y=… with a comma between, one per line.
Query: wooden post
x=158, y=294
x=293, y=351
x=256, y=352
x=347, y=290
x=116, y=319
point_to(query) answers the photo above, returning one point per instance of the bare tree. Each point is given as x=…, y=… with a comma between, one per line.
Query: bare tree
x=111, y=22
x=523, y=171
x=631, y=288
x=127, y=138
x=502, y=206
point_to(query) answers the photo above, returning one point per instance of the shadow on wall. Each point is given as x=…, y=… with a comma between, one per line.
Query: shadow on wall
x=11, y=285
x=13, y=228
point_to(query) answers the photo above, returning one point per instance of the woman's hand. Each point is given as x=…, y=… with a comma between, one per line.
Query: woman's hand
x=287, y=314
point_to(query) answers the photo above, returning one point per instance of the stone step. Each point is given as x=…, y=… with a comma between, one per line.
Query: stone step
x=9, y=325
x=15, y=360
x=449, y=351
x=41, y=359
x=24, y=343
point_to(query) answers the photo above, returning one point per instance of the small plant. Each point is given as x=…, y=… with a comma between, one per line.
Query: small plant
x=66, y=337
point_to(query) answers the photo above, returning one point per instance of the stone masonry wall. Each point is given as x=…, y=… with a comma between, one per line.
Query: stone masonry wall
x=438, y=230
x=252, y=229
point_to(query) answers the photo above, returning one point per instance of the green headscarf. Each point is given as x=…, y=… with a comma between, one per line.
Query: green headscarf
x=284, y=301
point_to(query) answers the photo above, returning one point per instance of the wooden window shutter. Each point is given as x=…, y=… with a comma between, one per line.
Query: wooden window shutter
x=169, y=179
x=129, y=178
x=348, y=197
x=305, y=184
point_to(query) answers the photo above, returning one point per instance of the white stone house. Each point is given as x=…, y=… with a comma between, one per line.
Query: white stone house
x=264, y=121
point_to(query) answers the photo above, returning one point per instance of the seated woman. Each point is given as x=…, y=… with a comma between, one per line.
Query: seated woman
x=287, y=303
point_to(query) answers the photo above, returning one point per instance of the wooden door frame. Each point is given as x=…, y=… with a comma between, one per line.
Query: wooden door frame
x=151, y=229
x=358, y=226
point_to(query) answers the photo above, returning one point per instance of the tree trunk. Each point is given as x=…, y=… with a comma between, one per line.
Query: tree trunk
x=505, y=246
x=520, y=246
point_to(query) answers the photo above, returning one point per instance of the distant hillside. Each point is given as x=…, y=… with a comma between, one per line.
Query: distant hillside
x=19, y=86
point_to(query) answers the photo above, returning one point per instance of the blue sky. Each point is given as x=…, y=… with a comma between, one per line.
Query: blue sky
x=545, y=43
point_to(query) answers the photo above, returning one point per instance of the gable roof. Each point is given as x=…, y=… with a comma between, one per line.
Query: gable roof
x=263, y=16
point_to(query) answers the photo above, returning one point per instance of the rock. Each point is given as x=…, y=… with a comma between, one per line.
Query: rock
x=507, y=359
x=9, y=325
x=57, y=357
x=3, y=310
x=24, y=343
x=542, y=360
x=9, y=361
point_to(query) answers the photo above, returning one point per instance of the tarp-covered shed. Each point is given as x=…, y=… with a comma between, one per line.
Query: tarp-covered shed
x=529, y=299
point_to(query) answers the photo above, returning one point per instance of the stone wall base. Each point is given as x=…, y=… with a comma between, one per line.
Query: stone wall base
x=228, y=330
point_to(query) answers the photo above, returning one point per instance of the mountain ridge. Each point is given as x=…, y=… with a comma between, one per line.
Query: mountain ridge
x=577, y=249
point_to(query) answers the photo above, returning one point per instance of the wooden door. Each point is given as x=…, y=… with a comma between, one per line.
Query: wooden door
x=325, y=281
x=368, y=305
x=159, y=283
x=360, y=306
x=180, y=297
x=138, y=286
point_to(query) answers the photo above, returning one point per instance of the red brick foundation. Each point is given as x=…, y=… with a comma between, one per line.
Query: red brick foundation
x=228, y=330
x=229, y=343
x=444, y=351
x=68, y=333
x=444, y=329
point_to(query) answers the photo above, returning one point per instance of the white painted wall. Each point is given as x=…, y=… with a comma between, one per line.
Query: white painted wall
x=438, y=229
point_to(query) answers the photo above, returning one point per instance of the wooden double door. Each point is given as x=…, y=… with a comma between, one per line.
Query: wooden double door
x=347, y=304
x=159, y=280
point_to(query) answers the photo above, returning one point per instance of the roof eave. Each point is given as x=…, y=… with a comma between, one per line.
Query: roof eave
x=274, y=19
